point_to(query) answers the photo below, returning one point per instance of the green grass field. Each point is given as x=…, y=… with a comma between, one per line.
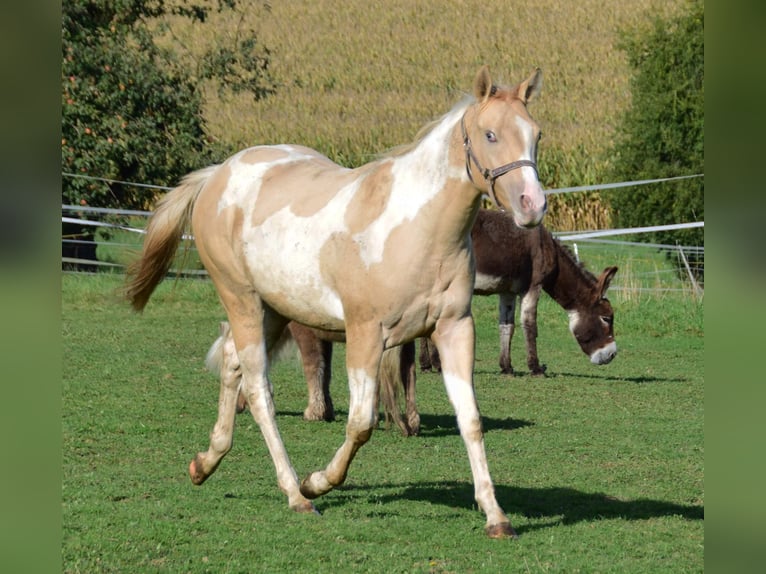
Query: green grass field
x=600, y=469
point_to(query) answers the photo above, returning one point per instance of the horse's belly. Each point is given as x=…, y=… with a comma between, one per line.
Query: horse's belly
x=284, y=264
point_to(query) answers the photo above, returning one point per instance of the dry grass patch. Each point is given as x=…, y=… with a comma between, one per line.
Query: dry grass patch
x=357, y=78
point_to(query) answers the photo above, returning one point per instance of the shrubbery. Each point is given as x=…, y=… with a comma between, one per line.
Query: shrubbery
x=662, y=135
x=131, y=111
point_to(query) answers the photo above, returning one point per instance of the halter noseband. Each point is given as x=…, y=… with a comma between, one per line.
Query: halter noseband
x=490, y=175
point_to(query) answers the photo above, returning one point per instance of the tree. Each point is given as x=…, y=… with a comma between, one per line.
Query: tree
x=662, y=134
x=131, y=111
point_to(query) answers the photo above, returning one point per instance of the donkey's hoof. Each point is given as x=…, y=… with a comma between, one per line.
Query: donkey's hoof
x=318, y=414
x=502, y=530
x=538, y=371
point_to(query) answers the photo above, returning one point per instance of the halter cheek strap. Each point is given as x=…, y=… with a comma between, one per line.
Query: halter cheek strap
x=490, y=175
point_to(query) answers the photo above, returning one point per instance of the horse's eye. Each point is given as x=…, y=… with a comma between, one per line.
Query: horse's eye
x=606, y=319
x=491, y=138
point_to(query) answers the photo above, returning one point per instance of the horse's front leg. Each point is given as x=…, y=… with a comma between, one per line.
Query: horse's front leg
x=363, y=355
x=529, y=324
x=455, y=341
x=506, y=324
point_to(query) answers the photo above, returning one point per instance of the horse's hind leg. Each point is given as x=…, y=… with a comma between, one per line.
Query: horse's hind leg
x=204, y=464
x=363, y=356
x=254, y=328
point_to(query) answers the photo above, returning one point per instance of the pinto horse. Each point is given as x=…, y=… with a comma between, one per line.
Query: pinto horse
x=511, y=262
x=381, y=252
x=519, y=264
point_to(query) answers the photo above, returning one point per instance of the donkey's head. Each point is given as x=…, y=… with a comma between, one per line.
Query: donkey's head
x=592, y=323
x=500, y=140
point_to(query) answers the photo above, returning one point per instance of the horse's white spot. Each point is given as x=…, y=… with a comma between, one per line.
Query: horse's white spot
x=245, y=179
x=424, y=169
x=604, y=355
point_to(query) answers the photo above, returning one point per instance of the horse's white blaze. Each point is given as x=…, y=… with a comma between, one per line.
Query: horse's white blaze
x=527, y=135
x=604, y=355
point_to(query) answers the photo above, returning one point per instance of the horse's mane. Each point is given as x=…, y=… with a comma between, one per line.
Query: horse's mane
x=423, y=132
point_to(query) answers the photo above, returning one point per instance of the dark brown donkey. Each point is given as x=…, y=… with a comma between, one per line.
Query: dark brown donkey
x=519, y=263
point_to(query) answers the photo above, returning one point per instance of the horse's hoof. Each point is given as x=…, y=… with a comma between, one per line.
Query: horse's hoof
x=502, y=530
x=305, y=507
x=315, y=485
x=197, y=476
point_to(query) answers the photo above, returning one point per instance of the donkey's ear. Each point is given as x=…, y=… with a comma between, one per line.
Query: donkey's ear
x=224, y=328
x=530, y=88
x=482, y=84
x=605, y=279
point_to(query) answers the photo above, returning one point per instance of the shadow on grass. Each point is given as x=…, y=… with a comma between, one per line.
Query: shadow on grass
x=436, y=425
x=562, y=505
x=637, y=380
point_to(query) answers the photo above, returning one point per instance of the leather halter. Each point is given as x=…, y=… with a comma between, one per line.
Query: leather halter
x=490, y=175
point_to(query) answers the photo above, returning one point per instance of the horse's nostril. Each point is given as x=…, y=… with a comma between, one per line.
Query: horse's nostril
x=526, y=203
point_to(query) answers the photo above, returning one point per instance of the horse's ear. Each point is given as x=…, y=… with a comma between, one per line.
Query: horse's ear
x=530, y=88
x=482, y=84
x=605, y=279
x=224, y=328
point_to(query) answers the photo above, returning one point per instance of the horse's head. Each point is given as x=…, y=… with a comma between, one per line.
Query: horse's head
x=593, y=323
x=500, y=140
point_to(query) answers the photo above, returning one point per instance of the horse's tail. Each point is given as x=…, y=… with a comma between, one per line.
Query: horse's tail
x=215, y=354
x=390, y=381
x=215, y=358
x=163, y=234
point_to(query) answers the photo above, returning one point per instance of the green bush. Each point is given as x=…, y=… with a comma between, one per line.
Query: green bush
x=662, y=134
x=132, y=110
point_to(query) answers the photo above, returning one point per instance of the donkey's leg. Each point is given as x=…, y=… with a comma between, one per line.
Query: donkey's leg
x=204, y=464
x=316, y=359
x=529, y=323
x=364, y=350
x=407, y=370
x=506, y=325
x=455, y=341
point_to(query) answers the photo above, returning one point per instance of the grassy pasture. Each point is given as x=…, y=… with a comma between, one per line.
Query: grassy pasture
x=356, y=78
x=600, y=468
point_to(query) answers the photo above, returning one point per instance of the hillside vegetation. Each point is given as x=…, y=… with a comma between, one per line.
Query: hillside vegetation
x=356, y=78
